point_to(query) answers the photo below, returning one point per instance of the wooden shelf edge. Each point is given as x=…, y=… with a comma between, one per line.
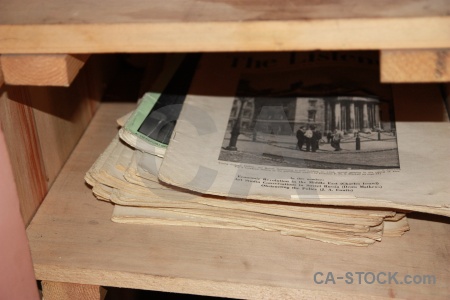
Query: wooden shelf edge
x=322, y=34
x=186, y=285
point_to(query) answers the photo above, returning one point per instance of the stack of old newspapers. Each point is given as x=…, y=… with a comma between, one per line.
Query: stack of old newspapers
x=305, y=144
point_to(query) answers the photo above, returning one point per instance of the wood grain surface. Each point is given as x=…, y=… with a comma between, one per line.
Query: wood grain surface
x=41, y=69
x=59, y=290
x=399, y=66
x=42, y=125
x=18, y=122
x=73, y=240
x=228, y=25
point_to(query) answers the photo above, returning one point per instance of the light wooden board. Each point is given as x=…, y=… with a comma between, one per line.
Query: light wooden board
x=227, y=25
x=60, y=291
x=62, y=114
x=72, y=239
x=59, y=12
x=43, y=124
x=18, y=123
x=399, y=66
x=41, y=69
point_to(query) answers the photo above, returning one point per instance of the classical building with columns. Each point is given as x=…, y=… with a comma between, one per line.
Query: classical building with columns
x=285, y=115
x=347, y=113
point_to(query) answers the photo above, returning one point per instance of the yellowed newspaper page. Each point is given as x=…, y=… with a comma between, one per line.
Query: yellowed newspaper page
x=310, y=128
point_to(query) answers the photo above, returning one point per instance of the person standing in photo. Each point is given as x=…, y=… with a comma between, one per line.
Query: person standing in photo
x=308, y=139
x=300, y=137
x=336, y=141
x=329, y=137
x=317, y=135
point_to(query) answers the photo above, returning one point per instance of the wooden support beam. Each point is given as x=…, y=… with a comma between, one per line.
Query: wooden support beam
x=41, y=69
x=415, y=65
x=42, y=125
x=18, y=123
x=62, y=291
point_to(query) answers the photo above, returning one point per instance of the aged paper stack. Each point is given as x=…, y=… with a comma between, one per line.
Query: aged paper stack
x=121, y=177
x=304, y=144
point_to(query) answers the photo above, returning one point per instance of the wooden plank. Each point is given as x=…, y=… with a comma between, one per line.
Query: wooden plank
x=415, y=65
x=17, y=279
x=62, y=114
x=42, y=69
x=66, y=291
x=43, y=125
x=72, y=239
x=348, y=34
x=228, y=25
x=18, y=123
x=29, y=12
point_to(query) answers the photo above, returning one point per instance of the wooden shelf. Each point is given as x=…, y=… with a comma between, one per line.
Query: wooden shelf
x=57, y=26
x=73, y=240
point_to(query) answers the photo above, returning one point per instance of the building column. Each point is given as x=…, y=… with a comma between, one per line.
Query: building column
x=365, y=118
x=352, y=116
x=377, y=116
x=337, y=115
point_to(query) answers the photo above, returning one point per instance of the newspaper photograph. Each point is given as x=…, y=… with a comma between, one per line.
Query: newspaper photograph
x=310, y=127
x=308, y=124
